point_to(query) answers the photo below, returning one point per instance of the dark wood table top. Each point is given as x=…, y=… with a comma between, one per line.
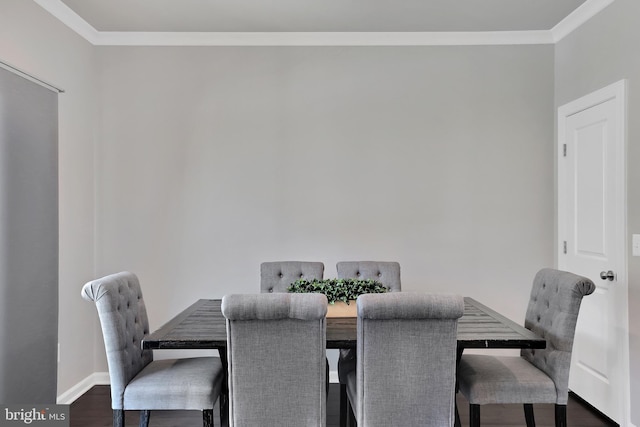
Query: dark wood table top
x=202, y=326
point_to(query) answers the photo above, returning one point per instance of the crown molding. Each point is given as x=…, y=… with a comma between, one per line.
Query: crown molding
x=575, y=19
x=323, y=38
x=131, y=38
x=71, y=19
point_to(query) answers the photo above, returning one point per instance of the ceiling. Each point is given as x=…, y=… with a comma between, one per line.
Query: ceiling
x=322, y=15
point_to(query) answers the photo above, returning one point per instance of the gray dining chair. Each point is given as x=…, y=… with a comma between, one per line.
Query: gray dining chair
x=276, y=276
x=406, y=365
x=385, y=272
x=137, y=381
x=536, y=376
x=270, y=385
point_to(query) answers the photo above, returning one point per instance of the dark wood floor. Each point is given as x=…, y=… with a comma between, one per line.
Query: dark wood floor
x=93, y=409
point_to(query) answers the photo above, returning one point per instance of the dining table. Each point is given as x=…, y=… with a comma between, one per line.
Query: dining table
x=202, y=326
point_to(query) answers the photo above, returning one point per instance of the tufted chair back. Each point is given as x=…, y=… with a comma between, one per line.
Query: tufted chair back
x=124, y=322
x=269, y=384
x=552, y=314
x=277, y=276
x=406, y=363
x=387, y=273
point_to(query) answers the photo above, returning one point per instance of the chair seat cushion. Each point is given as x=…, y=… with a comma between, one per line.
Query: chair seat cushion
x=501, y=379
x=190, y=383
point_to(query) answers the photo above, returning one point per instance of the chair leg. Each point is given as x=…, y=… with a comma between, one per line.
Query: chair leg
x=207, y=417
x=118, y=418
x=352, y=422
x=343, y=405
x=561, y=415
x=474, y=415
x=144, y=418
x=528, y=415
x=223, y=400
x=326, y=374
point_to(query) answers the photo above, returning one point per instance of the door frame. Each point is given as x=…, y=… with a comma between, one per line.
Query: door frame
x=618, y=93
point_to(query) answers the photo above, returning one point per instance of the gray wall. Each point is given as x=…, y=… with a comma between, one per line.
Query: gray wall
x=213, y=160
x=28, y=241
x=599, y=53
x=33, y=40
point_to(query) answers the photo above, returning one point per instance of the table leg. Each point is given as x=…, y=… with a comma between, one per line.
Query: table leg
x=224, y=393
x=459, y=351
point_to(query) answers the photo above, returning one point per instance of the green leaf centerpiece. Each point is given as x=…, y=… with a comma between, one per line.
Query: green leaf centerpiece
x=338, y=289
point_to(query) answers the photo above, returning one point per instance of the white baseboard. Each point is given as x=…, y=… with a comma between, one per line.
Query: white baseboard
x=70, y=396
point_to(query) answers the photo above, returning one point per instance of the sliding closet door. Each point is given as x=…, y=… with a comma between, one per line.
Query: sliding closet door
x=28, y=241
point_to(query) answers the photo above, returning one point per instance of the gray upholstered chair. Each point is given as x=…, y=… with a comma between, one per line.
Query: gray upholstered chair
x=387, y=273
x=406, y=364
x=537, y=376
x=270, y=385
x=137, y=381
x=278, y=275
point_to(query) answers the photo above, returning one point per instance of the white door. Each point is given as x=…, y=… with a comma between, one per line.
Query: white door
x=591, y=230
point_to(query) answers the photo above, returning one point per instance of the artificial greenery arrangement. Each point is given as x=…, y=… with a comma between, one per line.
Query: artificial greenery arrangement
x=338, y=289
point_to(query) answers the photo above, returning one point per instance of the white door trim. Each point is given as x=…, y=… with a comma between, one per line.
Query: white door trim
x=618, y=93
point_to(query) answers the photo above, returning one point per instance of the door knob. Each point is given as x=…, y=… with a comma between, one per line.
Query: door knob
x=607, y=275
